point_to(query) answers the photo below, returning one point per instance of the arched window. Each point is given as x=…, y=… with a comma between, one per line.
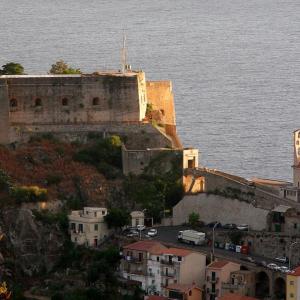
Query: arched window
x=96, y=101
x=13, y=102
x=65, y=101
x=38, y=102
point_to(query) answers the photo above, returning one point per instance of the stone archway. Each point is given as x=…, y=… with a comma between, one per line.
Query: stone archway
x=262, y=286
x=279, y=289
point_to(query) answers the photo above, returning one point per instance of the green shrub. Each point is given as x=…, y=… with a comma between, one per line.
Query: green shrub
x=28, y=194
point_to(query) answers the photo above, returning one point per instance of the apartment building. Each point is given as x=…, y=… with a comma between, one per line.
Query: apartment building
x=293, y=285
x=87, y=226
x=158, y=267
x=218, y=272
x=241, y=282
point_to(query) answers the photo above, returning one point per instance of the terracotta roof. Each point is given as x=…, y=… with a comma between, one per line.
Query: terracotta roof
x=177, y=251
x=295, y=272
x=231, y=296
x=153, y=297
x=147, y=246
x=184, y=288
x=218, y=264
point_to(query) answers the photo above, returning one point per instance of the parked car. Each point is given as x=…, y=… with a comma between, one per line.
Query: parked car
x=282, y=259
x=140, y=227
x=243, y=227
x=212, y=224
x=229, y=226
x=132, y=233
x=152, y=232
x=284, y=269
x=272, y=266
x=261, y=263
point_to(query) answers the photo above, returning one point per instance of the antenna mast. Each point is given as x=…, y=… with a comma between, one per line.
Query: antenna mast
x=124, y=54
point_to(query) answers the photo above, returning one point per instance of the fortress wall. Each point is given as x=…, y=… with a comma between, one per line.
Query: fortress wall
x=216, y=208
x=89, y=99
x=4, y=113
x=136, y=135
x=160, y=95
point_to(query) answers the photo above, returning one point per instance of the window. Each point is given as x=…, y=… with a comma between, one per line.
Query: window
x=73, y=226
x=96, y=101
x=13, y=102
x=80, y=227
x=38, y=102
x=157, y=258
x=179, y=258
x=96, y=227
x=95, y=214
x=190, y=293
x=65, y=102
x=291, y=282
x=103, y=212
x=140, y=256
x=291, y=295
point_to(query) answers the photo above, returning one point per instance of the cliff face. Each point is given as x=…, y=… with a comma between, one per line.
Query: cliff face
x=27, y=246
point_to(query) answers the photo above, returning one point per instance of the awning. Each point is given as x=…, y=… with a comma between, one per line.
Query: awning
x=281, y=208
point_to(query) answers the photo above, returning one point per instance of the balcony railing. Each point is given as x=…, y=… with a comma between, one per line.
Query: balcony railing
x=133, y=259
x=164, y=274
x=167, y=262
x=231, y=286
x=212, y=280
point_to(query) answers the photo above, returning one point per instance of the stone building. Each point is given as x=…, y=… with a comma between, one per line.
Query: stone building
x=72, y=105
x=87, y=226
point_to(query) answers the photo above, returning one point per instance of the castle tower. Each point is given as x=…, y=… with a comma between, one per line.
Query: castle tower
x=296, y=166
x=4, y=112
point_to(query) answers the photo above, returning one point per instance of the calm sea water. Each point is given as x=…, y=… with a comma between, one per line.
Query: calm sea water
x=235, y=65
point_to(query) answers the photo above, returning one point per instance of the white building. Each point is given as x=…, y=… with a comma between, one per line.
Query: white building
x=137, y=218
x=87, y=226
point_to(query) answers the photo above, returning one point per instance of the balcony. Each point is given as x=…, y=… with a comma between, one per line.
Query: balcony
x=132, y=259
x=167, y=262
x=230, y=286
x=169, y=274
x=212, y=280
x=212, y=292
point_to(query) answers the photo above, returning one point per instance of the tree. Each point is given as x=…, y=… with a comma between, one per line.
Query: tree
x=12, y=69
x=60, y=67
x=193, y=219
x=117, y=218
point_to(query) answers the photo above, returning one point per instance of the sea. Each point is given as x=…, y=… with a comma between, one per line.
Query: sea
x=234, y=65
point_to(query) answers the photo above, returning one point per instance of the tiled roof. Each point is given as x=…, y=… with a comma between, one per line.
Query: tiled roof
x=184, y=288
x=177, y=251
x=148, y=246
x=231, y=296
x=295, y=272
x=218, y=264
x=153, y=297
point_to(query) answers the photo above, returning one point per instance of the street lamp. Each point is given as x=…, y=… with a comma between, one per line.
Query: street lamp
x=213, y=241
x=290, y=252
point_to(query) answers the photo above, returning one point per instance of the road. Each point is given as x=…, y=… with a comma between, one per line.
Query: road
x=168, y=235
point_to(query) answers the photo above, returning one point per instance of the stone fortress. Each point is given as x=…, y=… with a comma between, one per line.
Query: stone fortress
x=71, y=106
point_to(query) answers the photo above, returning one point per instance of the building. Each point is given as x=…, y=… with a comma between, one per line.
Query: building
x=137, y=218
x=218, y=272
x=293, y=285
x=87, y=226
x=231, y=296
x=184, y=291
x=181, y=266
x=70, y=106
x=157, y=266
x=292, y=191
x=241, y=282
